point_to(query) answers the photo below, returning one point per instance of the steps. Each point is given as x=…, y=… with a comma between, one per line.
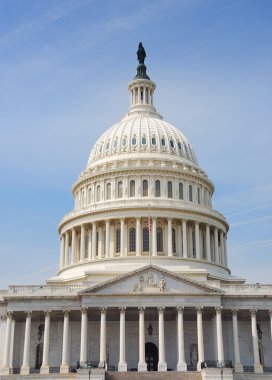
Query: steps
x=153, y=375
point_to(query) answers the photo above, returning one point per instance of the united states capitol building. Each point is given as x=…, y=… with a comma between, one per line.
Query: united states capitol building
x=143, y=283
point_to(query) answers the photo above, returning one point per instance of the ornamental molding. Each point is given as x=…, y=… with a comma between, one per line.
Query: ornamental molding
x=209, y=217
x=125, y=172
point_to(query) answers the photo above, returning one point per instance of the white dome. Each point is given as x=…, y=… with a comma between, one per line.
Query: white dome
x=141, y=135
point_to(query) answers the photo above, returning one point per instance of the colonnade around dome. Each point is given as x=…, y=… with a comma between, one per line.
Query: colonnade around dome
x=140, y=237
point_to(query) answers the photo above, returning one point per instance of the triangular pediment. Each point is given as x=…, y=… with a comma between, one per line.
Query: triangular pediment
x=151, y=280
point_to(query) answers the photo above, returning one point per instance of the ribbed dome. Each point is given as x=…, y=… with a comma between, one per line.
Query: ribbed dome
x=142, y=135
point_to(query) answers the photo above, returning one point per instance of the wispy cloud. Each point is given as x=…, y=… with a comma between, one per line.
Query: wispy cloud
x=251, y=221
x=257, y=208
x=23, y=31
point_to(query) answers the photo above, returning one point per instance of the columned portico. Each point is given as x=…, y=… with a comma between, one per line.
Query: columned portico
x=102, y=356
x=200, y=340
x=25, y=366
x=64, y=368
x=219, y=334
x=84, y=335
x=238, y=367
x=5, y=368
x=258, y=368
x=162, y=366
x=142, y=363
x=181, y=366
x=122, y=365
x=45, y=363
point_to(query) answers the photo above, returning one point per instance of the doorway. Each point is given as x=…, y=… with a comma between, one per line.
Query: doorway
x=151, y=356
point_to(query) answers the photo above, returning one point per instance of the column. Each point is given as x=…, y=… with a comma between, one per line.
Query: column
x=216, y=251
x=122, y=365
x=62, y=251
x=142, y=367
x=162, y=366
x=102, y=359
x=122, y=238
x=181, y=366
x=64, y=368
x=154, y=236
x=82, y=243
x=200, y=341
x=5, y=369
x=170, y=251
x=66, y=248
x=100, y=242
x=197, y=240
x=237, y=361
x=25, y=365
x=84, y=335
x=258, y=368
x=219, y=334
x=208, y=243
x=73, y=253
x=225, y=250
x=45, y=363
x=107, y=243
x=222, y=247
x=179, y=243
x=90, y=243
x=138, y=237
x=94, y=241
x=184, y=238
x=11, y=351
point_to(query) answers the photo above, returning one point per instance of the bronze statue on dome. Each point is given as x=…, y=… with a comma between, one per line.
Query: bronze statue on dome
x=141, y=54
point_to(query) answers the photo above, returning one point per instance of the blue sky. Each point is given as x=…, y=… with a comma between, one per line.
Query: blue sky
x=64, y=70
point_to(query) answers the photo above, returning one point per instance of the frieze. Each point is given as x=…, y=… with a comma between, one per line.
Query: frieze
x=149, y=283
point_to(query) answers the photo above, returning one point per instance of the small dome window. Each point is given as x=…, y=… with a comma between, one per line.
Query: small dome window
x=154, y=141
x=134, y=140
x=179, y=145
x=163, y=142
x=124, y=141
x=108, y=145
x=172, y=144
x=115, y=143
x=144, y=142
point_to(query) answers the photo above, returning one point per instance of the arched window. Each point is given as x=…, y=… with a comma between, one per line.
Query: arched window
x=117, y=240
x=108, y=191
x=172, y=144
x=163, y=142
x=98, y=195
x=159, y=239
x=120, y=189
x=145, y=188
x=134, y=140
x=89, y=195
x=180, y=190
x=170, y=189
x=132, y=188
x=173, y=240
x=132, y=239
x=190, y=193
x=158, y=188
x=115, y=143
x=145, y=239
x=198, y=195
x=144, y=140
x=153, y=140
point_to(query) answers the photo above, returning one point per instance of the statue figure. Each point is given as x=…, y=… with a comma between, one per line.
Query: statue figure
x=141, y=53
x=162, y=284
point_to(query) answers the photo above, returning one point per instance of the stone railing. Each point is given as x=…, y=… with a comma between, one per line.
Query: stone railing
x=161, y=202
x=248, y=289
x=45, y=289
